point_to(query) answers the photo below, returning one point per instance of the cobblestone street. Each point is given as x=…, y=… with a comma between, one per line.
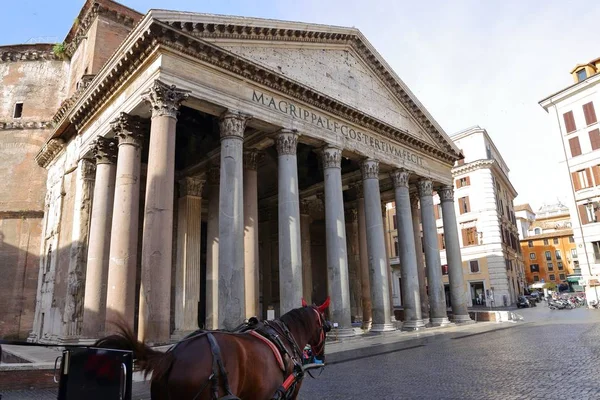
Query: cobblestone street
x=552, y=355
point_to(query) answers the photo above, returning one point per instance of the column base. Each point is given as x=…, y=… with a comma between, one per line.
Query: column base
x=366, y=325
x=382, y=328
x=462, y=319
x=413, y=325
x=341, y=333
x=444, y=321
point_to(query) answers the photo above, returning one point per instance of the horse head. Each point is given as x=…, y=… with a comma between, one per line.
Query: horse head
x=322, y=326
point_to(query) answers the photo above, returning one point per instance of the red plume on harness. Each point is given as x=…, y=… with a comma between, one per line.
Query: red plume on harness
x=304, y=303
x=323, y=306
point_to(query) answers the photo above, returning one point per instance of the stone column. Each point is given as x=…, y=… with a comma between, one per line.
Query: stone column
x=232, y=298
x=305, y=221
x=364, y=258
x=458, y=290
x=187, y=272
x=251, y=232
x=378, y=269
x=411, y=298
x=437, y=301
x=157, y=234
x=265, y=253
x=212, y=250
x=73, y=311
x=120, y=298
x=352, y=236
x=386, y=238
x=416, y=221
x=96, y=278
x=290, y=248
x=337, y=253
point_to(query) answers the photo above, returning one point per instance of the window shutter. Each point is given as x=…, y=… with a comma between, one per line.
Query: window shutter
x=464, y=236
x=436, y=211
x=457, y=183
x=575, y=147
x=595, y=139
x=576, y=183
x=569, y=121
x=596, y=173
x=468, y=204
x=460, y=205
x=589, y=113
x=440, y=247
x=583, y=214
x=468, y=181
x=588, y=173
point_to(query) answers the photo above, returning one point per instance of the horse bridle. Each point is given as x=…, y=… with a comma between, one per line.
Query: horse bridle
x=325, y=326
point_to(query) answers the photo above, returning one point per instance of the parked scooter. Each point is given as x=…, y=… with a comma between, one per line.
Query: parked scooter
x=558, y=304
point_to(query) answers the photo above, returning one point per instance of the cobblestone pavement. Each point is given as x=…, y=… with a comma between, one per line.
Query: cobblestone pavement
x=553, y=355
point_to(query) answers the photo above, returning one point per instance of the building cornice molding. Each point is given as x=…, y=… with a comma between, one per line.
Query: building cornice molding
x=159, y=35
x=17, y=53
x=49, y=151
x=14, y=125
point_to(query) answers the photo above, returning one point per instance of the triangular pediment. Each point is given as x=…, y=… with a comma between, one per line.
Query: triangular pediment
x=337, y=62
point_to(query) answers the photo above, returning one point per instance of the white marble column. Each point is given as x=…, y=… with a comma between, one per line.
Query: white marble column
x=232, y=297
x=96, y=278
x=251, y=232
x=414, y=209
x=290, y=248
x=335, y=233
x=437, y=301
x=120, y=298
x=157, y=236
x=458, y=290
x=386, y=238
x=364, y=258
x=189, y=240
x=354, y=276
x=411, y=298
x=381, y=309
x=212, y=250
x=305, y=221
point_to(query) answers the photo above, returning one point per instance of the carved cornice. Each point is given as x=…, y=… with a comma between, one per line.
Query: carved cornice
x=164, y=99
x=251, y=159
x=129, y=129
x=425, y=187
x=191, y=186
x=400, y=178
x=232, y=125
x=27, y=52
x=13, y=125
x=49, y=151
x=370, y=169
x=286, y=142
x=446, y=193
x=332, y=157
x=104, y=150
x=82, y=85
x=160, y=34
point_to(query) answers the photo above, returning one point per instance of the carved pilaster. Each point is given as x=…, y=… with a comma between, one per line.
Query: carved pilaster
x=232, y=124
x=129, y=129
x=164, y=99
x=446, y=193
x=414, y=200
x=305, y=207
x=358, y=186
x=88, y=169
x=287, y=142
x=400, y=178
x=251, y=159
x=425, y=187
x=319, y=204
x=352, y=215
x=104, y=150
x=191, y=186
x=214, y=174
x=332, y=157
x=370, y=169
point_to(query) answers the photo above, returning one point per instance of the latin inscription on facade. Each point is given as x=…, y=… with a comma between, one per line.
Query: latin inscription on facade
x=298, y=112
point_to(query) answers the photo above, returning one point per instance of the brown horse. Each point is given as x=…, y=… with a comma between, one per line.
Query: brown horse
x=250, y=363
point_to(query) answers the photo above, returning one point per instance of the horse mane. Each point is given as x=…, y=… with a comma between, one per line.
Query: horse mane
x=298, y=317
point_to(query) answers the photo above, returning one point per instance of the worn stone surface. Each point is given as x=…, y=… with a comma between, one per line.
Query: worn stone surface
x=251, y=233
x=212, y=250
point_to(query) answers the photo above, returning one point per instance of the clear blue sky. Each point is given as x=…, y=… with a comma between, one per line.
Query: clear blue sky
x=475, y=62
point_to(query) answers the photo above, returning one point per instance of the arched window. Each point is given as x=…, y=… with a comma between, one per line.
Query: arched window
x=537, y=231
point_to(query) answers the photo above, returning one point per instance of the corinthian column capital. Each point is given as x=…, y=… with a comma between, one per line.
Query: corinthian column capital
x=232, y=125
x=287, y=142
x=425, y=187
x=332, y=157
x=359, y=188
x=191, y=186
x=370, y=169
x=446, y=193
x=251, y=159
x=128, y=129
x=400, y=178
x=164, y=99
x=104, y=150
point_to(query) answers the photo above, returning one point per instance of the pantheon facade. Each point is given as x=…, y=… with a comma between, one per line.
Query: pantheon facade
x=216, y=168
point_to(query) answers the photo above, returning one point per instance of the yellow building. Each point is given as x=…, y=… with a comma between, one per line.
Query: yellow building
x=547, y=243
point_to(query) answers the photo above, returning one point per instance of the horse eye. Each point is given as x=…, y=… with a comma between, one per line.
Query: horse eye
x=327, y=326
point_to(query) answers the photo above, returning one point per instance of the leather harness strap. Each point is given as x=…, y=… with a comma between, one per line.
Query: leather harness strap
x=273, y=348
x=218, y=370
